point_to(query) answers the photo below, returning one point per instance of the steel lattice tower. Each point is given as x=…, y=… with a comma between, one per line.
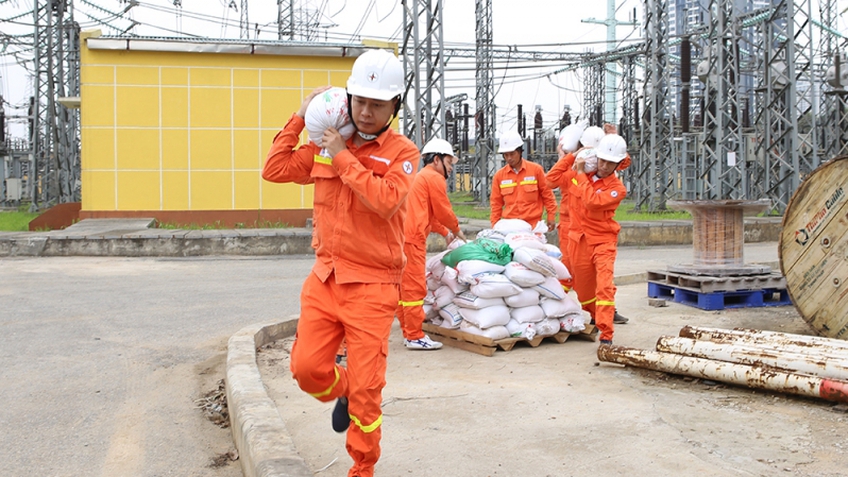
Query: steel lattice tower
x=54, y=132
x=285, y=19
x=723, y=175
x=485, y=163
x=424, y=67
x=244, y=22
x=651, y=180
x=834, y=98
x=593, y=92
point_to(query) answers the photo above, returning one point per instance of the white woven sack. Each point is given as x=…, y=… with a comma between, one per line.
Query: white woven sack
x=469, y=270
x=522, y=276
x=470, y=300
x=517, y=240
x=491, y=234
x=534, y=260
x=429, y=298
x=553, y=251
x=560, y=269
x=494, y=332
x=506, y=226
x=547, y=327
x=457, y=242
x=328, y=110
x=572, y=323
x=494, y=285
x=433, y=283
x=431, y=315
x=570, y=136
x=589, y=155
x=450, y=279
x=556, y=308
x=527, y=297
x=435, y=265
x=552, y=288
x=521, y=330
x=443, y=297
x=487, y=317
x=527, y=314
x=450, y=315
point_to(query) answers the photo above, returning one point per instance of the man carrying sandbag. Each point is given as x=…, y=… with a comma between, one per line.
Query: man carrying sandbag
x=519, y=189
x=361, y=185
x=428, y=209
x=595, y=232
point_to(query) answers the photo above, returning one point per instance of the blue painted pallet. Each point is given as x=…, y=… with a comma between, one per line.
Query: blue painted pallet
x=721, y=300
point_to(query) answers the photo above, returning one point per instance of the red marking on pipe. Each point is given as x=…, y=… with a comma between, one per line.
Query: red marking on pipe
x=834, y=390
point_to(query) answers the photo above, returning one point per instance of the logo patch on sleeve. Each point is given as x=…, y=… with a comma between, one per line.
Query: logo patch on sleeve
x=614, y=193
x=407, y=167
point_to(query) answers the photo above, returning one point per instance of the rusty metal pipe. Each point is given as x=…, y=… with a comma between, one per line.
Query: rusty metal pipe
x=762, y=337
x=740, y=374
x=810, y=363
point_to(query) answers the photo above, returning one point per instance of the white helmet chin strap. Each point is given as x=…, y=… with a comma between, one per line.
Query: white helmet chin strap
x=367, y=137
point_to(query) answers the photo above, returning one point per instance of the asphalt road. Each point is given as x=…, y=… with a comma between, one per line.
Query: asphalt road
x=103, y=359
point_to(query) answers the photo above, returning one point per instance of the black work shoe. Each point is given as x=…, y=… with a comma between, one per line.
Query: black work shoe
x=619, y=319
x=341, y=419
x=606, y=342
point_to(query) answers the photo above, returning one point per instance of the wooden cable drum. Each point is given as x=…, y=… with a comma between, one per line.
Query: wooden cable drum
x=813, y=249
x=718, y=236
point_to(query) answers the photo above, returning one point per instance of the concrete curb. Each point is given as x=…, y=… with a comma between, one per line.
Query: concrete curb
x=261, y=437
x=264, y=445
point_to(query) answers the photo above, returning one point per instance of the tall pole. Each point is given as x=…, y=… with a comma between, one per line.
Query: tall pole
x=610, y=107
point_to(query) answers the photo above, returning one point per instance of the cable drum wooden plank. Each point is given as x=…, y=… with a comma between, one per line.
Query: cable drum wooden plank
x=813, y=249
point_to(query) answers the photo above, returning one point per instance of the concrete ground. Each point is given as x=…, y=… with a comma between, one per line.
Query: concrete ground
x=556, y=411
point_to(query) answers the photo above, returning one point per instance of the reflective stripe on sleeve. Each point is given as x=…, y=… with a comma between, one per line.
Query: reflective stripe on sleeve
x=574, y=180
x=411, y=303
x=327, y=391
x=322, y=159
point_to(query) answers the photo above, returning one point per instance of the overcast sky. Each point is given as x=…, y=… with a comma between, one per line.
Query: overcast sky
x=528, y=24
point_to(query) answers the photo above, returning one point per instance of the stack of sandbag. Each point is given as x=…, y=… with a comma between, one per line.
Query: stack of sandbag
x=505, y=283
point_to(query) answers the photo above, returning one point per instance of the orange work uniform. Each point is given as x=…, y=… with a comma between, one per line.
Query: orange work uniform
x=428, y=209
x=352, y=292
x=521, y=194
x=594, y=234
x=559, y=177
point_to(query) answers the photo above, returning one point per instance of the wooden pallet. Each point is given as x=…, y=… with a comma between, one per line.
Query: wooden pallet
x=487, y=346
x=712, y=284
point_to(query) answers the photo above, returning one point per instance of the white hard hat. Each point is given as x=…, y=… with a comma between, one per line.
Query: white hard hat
x=612, y=148
x=592, y=136
x=376, y=74
x=437, y=146
x=509, y=142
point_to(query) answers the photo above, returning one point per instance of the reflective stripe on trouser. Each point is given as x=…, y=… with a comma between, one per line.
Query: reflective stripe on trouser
x=564, y=244
x=362, y=314
x=413, y=288
x=594, y=270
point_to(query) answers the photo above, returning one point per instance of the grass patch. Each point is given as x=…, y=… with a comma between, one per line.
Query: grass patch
x=16, y=221
x=218, y=225
x=465, y=206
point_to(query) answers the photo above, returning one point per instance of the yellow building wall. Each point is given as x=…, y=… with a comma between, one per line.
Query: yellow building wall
x=165, y=131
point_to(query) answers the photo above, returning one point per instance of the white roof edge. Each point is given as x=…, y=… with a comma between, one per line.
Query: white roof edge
x=231, y=47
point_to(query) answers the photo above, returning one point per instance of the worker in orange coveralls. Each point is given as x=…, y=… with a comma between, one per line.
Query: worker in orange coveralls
x=359, y=211
x=559, y=177
x=428, y=209
x=595, y=232
x=519, y=190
